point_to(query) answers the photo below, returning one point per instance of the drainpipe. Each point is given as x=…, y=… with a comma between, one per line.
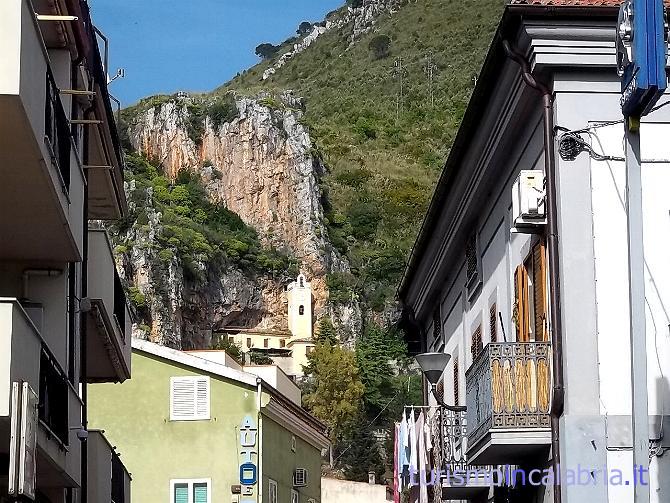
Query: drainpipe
x=259, y=404
x=83, y=371
x=558, y=395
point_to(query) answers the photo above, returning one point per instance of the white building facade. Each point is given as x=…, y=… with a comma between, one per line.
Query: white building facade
x=480, y=288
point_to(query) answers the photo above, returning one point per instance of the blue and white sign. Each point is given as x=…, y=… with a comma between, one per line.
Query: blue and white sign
x=641, y=41
x=249, y=455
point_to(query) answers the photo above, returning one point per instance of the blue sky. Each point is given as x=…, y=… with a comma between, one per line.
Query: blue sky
x=193, y=45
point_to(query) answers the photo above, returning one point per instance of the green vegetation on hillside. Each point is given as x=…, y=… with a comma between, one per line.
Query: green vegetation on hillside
x=192, y=228
x=383, y=149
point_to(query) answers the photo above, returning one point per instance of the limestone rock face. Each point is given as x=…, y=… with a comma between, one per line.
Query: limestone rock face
x=261, y=166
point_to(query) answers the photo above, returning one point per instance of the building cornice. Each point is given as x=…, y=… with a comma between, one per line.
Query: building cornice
x=307, y=428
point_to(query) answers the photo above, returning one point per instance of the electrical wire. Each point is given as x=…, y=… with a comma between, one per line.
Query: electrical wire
x=368, y=425
x=597, y=125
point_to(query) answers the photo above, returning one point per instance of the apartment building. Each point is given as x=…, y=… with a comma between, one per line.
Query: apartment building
x=195, y=427
x=64, y=322
x=536, y=380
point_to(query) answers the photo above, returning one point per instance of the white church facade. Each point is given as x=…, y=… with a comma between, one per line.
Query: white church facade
x=288, y=349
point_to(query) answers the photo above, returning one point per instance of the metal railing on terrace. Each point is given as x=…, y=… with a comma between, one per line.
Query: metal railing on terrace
x=508, y=387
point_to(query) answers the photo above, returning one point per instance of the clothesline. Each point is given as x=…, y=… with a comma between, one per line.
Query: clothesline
x=413, y=447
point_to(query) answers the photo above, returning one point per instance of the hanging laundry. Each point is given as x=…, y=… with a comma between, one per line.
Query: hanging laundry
x=423, y=475
x=412, y=440
x=397, y=444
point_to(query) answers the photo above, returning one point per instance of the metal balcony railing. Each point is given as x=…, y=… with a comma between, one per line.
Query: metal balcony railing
x=57, y=131
x=452, y=440
x=508, y=387
x=120, y=304
x=118, y=480
x=53, y=396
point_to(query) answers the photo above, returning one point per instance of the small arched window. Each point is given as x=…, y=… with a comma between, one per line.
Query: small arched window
x=301, y=310
x=302, y=282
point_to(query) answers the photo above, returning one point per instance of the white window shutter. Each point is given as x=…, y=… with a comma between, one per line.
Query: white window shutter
x=202, y=398
x=189, y=398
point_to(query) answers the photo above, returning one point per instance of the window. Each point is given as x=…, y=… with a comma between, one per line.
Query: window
x=295, y=496
x=530, y=306
x=301, y=310
x=476, y=346
x=248, y=342
x=190, y=491
x=266, y=343
x=272, y=491
x=282, y=343
x=472, y=263
x=493, y=322
x=456, y=381
x=189, y=398
x=437, y=324
x=231, y=338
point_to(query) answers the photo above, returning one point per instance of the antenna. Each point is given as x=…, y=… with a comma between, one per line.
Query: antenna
x=429, y=69
x=399, y=72
x=120, y=73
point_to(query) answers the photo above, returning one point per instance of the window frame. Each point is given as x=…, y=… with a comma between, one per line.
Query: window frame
x=295, y=496
x=273, y=483
x=196, y=417
x=190, y=483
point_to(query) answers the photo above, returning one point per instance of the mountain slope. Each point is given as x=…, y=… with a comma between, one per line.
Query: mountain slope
x=383, y=122
x=329, y=150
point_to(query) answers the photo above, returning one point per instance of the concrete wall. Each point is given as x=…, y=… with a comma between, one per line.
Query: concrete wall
x=346, y=491
x=280, y=461
x=276, y=378
x=20, y=349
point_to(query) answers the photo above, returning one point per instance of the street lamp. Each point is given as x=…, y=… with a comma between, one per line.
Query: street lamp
x=433, y=365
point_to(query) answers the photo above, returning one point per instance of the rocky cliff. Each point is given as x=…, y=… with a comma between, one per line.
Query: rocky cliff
x=258, y=162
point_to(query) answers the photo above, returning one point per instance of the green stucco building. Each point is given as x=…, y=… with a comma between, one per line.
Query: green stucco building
x=194, y=428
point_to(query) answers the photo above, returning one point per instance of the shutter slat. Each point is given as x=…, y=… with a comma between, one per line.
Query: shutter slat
x=190, y=398
x=181, y=493
x=539, y=294
x=200, y=493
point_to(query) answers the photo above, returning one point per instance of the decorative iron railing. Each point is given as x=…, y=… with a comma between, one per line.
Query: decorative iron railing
x=508, y=386
x=452, y=439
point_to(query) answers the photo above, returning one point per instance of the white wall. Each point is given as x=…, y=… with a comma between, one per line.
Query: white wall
x=611, y=265
x=346, y=491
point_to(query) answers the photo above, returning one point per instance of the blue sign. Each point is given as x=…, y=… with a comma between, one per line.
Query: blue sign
x=641, y=55
x=248, y=474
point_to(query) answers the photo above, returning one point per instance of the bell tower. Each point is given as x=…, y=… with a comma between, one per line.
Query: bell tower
x=299, y=295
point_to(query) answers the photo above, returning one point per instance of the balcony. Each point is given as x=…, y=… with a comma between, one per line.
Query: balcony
x=42, y=189
x=108, y=344
x=108, y=478
x=25, y=357
x=459, y=479
x=508, y=396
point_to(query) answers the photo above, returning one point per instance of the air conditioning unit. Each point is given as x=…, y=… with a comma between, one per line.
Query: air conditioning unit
x=300, y=477
x=529, y=201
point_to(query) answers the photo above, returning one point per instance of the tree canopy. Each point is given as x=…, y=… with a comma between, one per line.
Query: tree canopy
x=266, y=51
x=304, y=28
x=335, y=389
